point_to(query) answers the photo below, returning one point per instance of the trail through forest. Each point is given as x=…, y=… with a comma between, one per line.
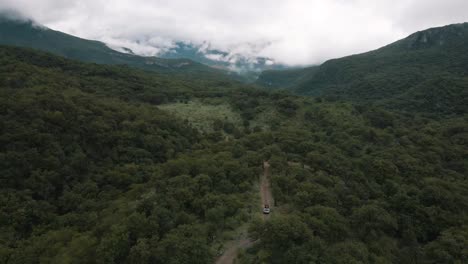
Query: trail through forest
x=265, y=189
x=244, y=242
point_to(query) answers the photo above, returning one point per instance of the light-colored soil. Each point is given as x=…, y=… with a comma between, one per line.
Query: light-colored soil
x=230, y=254
x=297, y=164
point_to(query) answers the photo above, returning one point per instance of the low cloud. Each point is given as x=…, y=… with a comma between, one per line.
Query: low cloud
x=294, y=32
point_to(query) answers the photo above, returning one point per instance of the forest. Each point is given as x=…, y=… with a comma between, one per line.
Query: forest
x=97, y=166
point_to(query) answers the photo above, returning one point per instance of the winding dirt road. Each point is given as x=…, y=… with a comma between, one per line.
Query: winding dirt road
x=232, y=249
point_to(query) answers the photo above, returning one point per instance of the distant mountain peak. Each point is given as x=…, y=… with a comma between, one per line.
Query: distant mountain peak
x=205, y=53
x=428, y=71
x=438, y=36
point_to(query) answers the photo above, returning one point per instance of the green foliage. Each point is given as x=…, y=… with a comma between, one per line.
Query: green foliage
x=92, y=172
x=206, y=117
x=425, y=72
x=289, y=78
x=99, y=165
x=370, y=185
x=450, y=247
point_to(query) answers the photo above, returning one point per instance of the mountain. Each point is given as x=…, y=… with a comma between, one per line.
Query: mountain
x=26, y=33
x=221, y=59
x=427, y=70
x=183, y=58
x=284, y=79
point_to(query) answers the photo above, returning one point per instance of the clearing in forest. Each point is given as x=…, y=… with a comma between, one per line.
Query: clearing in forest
x=202, y=116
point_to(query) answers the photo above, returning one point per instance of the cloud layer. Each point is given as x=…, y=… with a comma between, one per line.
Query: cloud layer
x=294, y=32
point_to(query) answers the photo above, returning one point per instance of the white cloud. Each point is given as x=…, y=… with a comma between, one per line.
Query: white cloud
x=216, y=57
x=289, y=31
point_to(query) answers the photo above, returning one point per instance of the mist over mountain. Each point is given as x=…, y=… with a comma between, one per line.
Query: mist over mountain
x=24, y=32
x=203, y=53
x=428, y=69
x=294, y=33
x=181, y=57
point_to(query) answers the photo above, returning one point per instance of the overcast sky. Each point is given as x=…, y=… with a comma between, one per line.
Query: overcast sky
x=294, y=32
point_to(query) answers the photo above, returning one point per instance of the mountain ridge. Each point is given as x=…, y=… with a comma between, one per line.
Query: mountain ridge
x=27, y=33
x=221, y=59
x=18, y=31
x=387, y=74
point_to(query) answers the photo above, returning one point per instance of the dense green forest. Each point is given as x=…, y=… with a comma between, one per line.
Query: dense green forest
x=376, y=187
x=91, y=173
x=96, y=166
x=285, y=79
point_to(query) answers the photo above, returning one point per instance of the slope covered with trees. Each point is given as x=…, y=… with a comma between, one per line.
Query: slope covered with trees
x=371, y=187
x=93, y=170
x=90, y=173
x=284, y=79
x=426, y=71
x=17, y=31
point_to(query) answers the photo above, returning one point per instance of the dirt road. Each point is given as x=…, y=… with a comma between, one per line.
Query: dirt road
x=233, y=247
x=265, y=189
x=230, y=254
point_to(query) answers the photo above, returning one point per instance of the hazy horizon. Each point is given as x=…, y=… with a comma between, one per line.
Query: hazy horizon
x=294, y=33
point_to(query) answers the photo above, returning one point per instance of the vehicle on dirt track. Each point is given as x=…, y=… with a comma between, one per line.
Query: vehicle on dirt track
x=266, y=209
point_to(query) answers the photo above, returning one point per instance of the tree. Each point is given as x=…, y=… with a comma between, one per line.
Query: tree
x=450, y=247
x=114, y=246
x=185, y=244
x=371, y=221
x=140, y=252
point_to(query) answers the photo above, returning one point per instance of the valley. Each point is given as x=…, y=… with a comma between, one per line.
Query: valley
x=108, y=157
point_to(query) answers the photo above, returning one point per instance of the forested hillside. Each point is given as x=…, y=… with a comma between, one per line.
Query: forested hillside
x=284, y=79
x=426, y=72
x=26, y=33
x=101, y=164
x=92, y=174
